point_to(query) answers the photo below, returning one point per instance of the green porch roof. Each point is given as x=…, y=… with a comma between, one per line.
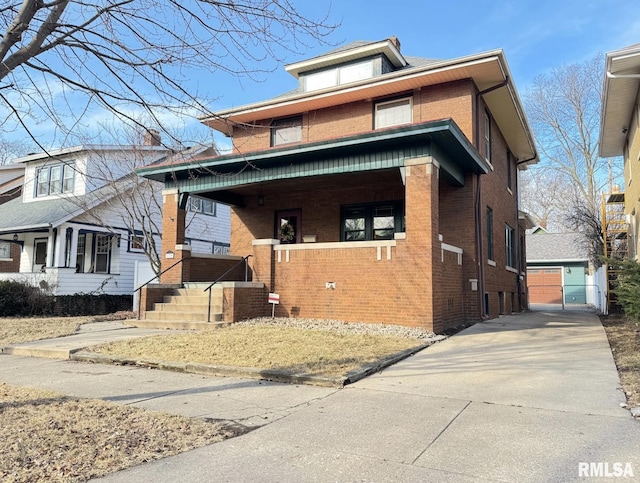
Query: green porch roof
x=380, y=149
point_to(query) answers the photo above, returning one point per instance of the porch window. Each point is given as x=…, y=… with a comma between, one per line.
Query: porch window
x=378, y=221
x=285, y=131
x=509, y=238
x=39, y=254
x=5, y=249
x=103, y=253
x=80, y=253
x=55, y=179
x=393, y=113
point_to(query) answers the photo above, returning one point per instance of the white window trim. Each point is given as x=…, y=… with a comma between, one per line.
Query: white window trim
x=393, y=101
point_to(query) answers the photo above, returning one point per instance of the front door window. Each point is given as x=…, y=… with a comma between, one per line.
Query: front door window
x=40, y=254
x=288, y=227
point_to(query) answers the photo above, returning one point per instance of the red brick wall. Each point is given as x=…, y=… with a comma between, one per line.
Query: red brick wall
x=244, y=303
x=209, y=269
x=452, y=100
x=12, y=266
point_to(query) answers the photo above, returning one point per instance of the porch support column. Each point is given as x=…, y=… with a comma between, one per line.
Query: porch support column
x=173, y=230
x=263, y=262
x=422, y=228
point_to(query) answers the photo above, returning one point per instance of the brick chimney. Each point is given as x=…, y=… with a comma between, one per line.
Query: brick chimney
x=394, y=40
x=152, y=138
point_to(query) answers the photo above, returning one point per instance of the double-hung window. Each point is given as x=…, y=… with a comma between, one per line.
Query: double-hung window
x=510, y=248
x=286, y=131
x=393, y=113
x=487, y=136
x=378, y=221
x=55, y=179
x=490, y=254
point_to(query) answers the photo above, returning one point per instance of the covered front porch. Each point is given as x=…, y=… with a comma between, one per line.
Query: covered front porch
x=348, y=229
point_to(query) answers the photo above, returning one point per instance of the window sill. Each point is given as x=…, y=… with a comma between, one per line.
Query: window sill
x=491, y=262
x=510, y=269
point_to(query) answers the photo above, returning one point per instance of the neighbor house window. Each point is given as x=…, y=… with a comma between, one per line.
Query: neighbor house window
x=487, y=136
x=509, y=240
x=285, y=131
x=80, y=253
x=136, y=242
x=489, y=233
x=103, y=253
x=5, y=249
x=393, y=113
x=378, y=221
x=55, y=179
x=220, y=248
x=202, y=205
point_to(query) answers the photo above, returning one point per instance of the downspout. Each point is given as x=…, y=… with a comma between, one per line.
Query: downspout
x=520, y=248
x=478, y=202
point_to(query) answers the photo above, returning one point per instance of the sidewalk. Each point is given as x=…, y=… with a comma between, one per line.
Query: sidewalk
x=522, y=398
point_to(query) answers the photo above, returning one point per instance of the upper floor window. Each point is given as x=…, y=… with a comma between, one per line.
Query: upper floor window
x=339, y=75
x=393, y=113
x=55, y=179
x=285, y=131
x=509, y=169
x=487, y=136
x=202, y=205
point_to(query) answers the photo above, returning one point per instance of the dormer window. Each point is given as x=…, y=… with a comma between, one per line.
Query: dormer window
x=55, y=179
x=339, y=75
x=286, y=131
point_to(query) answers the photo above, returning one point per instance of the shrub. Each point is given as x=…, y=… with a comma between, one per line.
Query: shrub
x=22, y=299
x=627, y=290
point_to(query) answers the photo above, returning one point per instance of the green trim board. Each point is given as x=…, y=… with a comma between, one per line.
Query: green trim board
x=376, y=150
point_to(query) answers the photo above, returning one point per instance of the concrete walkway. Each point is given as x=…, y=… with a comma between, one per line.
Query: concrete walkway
x=532, y=397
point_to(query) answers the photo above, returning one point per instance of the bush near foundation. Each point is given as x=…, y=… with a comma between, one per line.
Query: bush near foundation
x=21, y=299
x=627, y=291
x=89, y=304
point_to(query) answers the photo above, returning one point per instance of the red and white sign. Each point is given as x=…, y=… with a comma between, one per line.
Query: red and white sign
x=274, y=298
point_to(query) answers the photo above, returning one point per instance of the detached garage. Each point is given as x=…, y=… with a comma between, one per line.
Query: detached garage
x=556, y=264
x=545, y=285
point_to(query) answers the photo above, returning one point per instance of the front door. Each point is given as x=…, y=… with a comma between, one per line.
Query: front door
x=288, y=226
x=39, y=255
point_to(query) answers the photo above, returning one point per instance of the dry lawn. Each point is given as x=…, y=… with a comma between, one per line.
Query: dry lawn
x=294, y=350
x=624, y=339
x=46, y=436
x=15, y=331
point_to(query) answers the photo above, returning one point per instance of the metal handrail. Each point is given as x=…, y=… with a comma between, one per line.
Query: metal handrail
x=149, y=281
x=244, y=260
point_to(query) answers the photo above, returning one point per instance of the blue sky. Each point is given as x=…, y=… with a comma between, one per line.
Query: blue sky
x=535, y=35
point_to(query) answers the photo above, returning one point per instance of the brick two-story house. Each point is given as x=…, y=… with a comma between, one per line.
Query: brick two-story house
x=382, y=189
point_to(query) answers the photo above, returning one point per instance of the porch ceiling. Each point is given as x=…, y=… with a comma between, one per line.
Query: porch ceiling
x=377, y=150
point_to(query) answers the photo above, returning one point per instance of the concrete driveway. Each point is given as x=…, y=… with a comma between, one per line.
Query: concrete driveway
x=531, y=397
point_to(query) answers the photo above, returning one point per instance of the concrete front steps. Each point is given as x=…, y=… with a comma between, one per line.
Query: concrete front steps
x=185, y=309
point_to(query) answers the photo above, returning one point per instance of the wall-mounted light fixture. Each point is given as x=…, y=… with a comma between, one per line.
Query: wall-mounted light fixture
x=260, y=200
x=567, y=269
x=15, y=237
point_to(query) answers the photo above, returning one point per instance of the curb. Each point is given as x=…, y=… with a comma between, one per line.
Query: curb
x=248, y=372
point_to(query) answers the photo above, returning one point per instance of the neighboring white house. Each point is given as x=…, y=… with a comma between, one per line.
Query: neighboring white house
x=72, y=224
